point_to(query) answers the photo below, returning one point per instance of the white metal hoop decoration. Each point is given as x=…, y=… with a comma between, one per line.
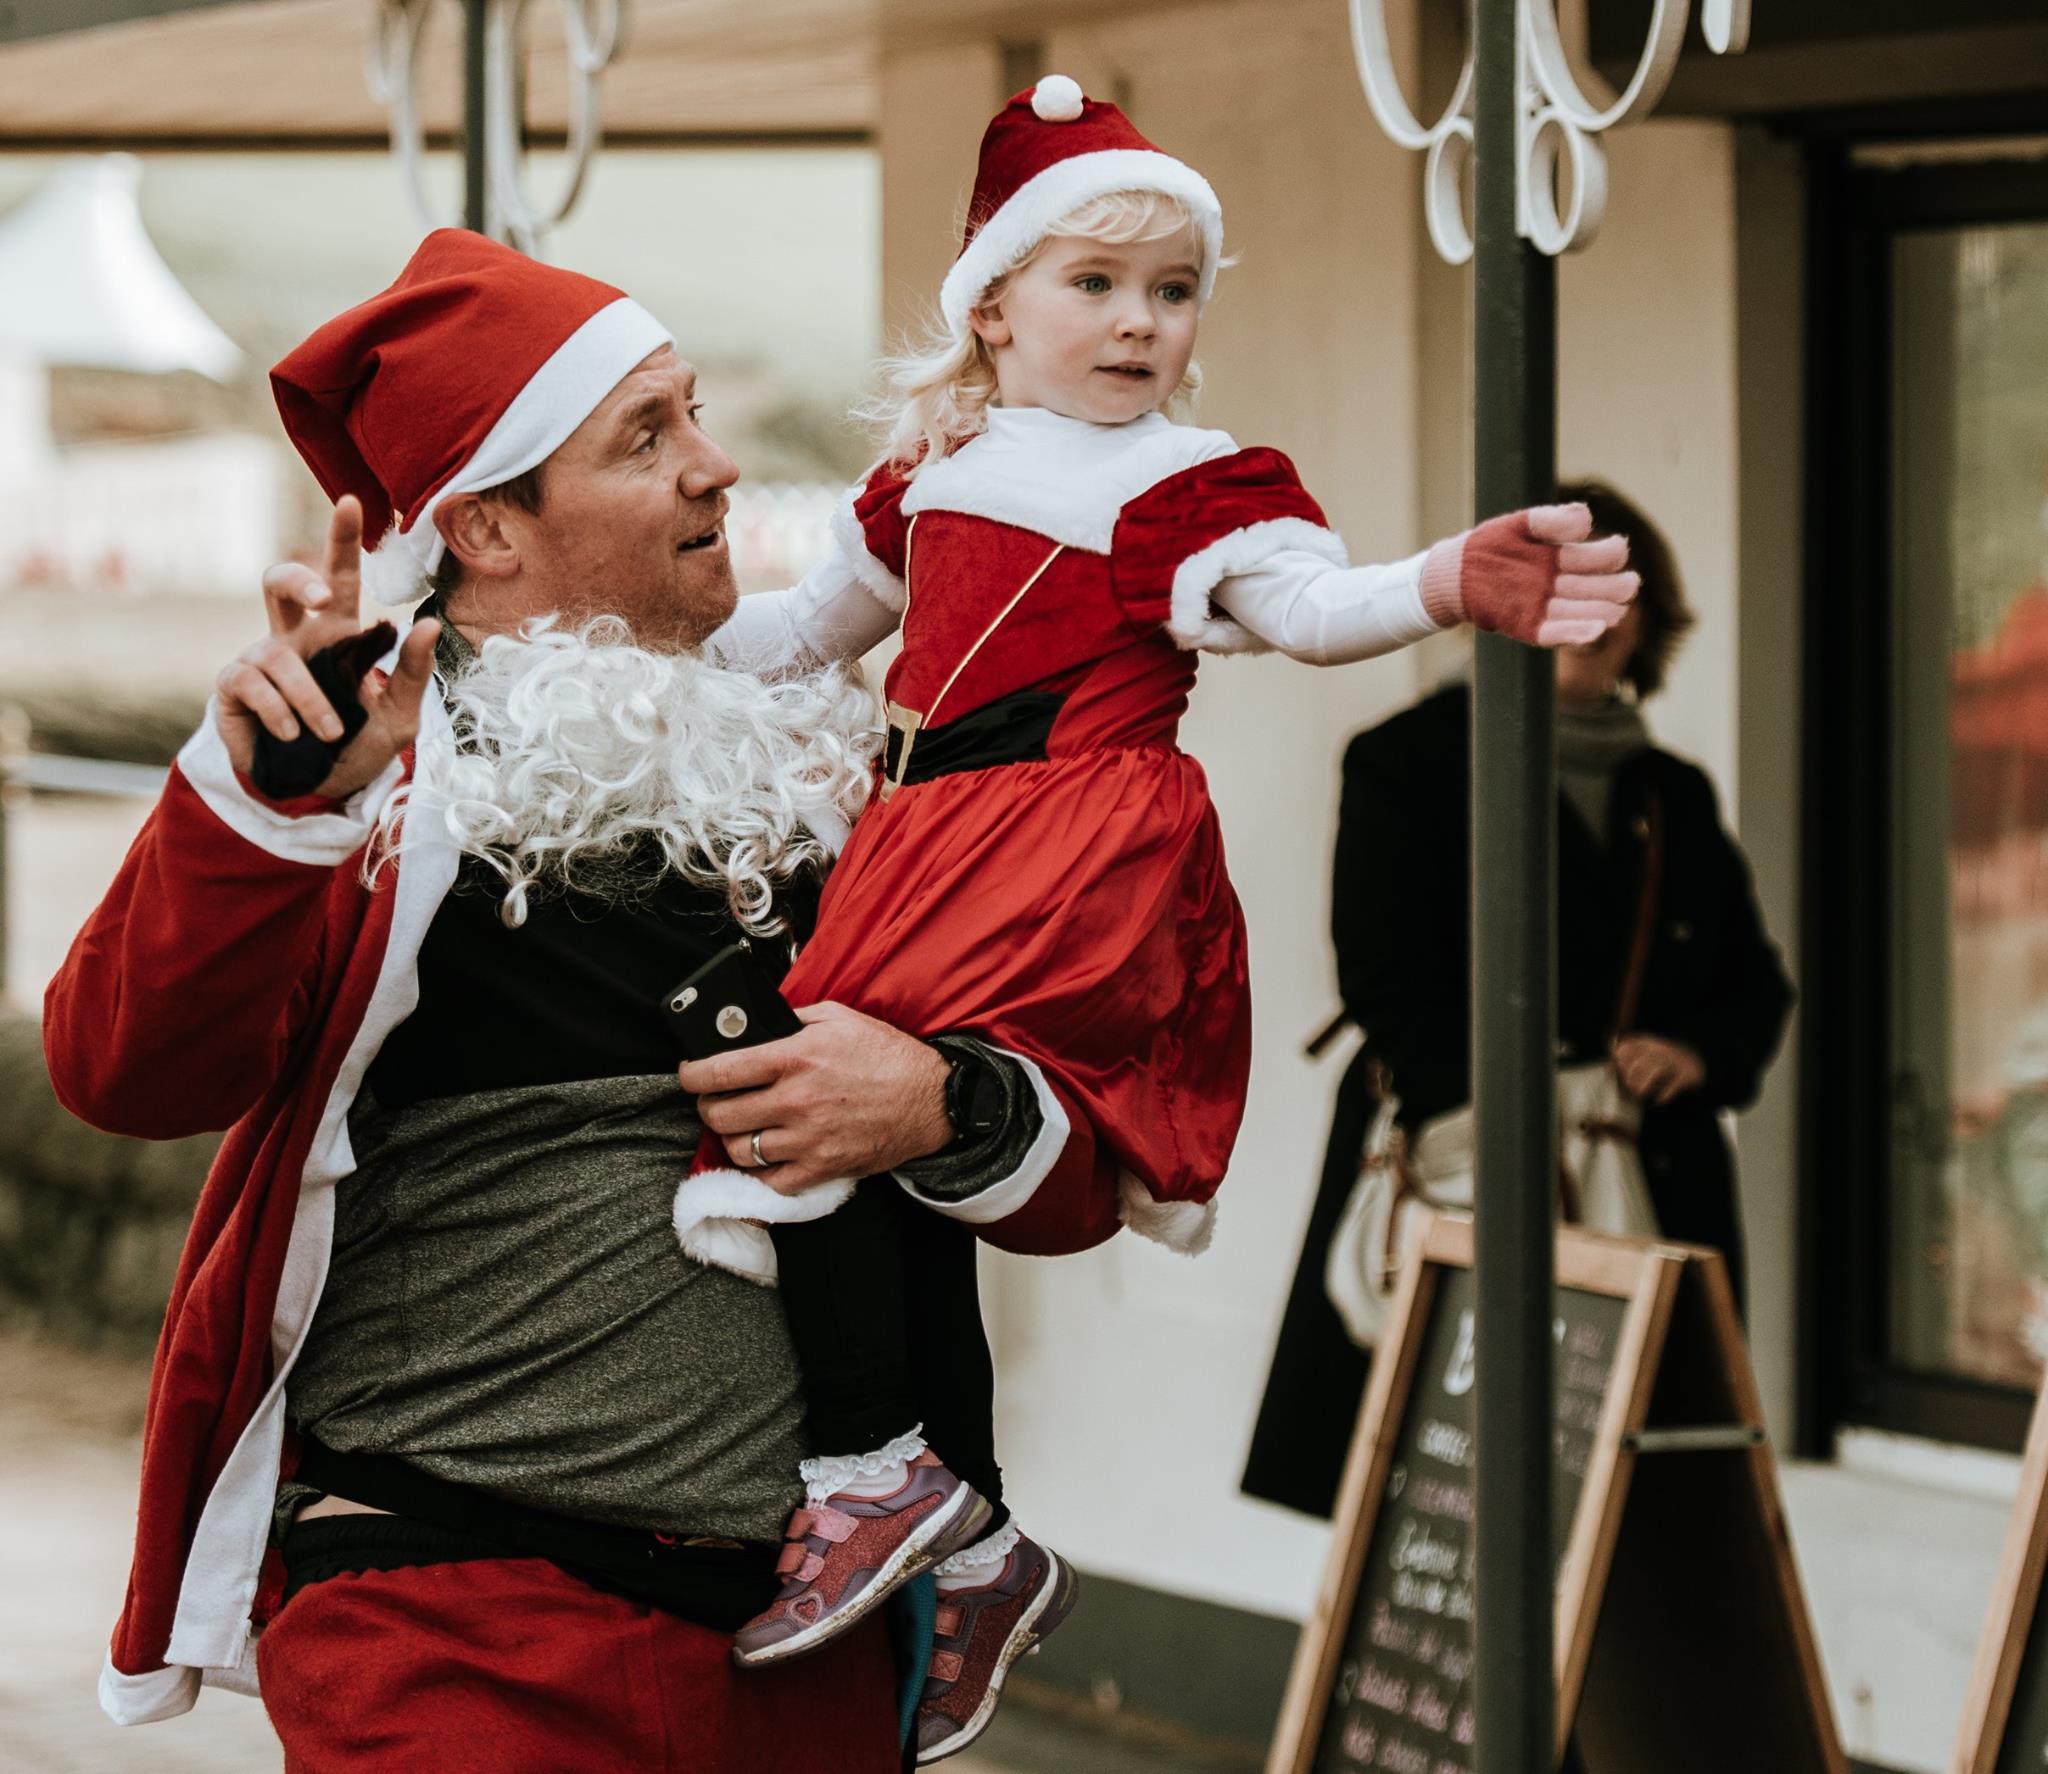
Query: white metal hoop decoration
x=1559, y=123
x=592, y=30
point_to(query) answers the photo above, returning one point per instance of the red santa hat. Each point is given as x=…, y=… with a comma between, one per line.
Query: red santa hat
x=473, y=367
x=1047, y=152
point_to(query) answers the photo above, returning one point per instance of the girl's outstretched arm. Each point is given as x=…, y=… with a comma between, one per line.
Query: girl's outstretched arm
x=1531, y=575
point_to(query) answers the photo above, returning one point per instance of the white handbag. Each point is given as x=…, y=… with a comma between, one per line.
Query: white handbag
x=1601, y=1185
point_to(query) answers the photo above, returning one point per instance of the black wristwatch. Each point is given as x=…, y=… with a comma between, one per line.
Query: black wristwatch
x=974, y=1093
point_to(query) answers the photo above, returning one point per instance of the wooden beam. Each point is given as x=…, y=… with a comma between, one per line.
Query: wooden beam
x=23, y=19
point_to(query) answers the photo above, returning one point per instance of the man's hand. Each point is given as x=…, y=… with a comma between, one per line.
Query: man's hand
x=1654, y=1070
x=268, y=684
x=848, y=1097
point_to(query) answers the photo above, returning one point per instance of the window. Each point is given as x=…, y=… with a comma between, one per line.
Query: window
x=1927, y=1114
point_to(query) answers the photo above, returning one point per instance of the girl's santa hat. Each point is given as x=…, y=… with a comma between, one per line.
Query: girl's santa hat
x=473, y=367
x=1047, y=152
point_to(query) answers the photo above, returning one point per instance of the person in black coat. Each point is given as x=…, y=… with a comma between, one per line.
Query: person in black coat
x=1714, y=996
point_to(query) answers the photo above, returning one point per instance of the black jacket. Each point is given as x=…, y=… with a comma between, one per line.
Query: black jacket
x=1401, y=920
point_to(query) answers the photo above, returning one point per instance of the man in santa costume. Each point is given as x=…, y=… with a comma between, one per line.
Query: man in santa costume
x=449, y=1446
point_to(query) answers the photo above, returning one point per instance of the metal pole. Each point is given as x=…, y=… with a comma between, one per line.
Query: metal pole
x=475, y=214
x=1514, y=809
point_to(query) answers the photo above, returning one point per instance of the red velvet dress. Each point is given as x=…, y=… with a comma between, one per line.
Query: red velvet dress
x=1075, y=909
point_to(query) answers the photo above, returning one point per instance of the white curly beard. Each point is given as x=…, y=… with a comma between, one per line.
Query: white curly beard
x=575, y=749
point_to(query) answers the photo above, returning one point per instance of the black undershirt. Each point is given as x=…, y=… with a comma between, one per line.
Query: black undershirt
x=572, y=993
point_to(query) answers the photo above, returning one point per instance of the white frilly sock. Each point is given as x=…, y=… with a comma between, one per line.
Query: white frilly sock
x=975, y=1565
x=878, y=1474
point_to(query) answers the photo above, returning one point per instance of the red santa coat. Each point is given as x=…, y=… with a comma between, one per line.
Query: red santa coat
x=240, y=974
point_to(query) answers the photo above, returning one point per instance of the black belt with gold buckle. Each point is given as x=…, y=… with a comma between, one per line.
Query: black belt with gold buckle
x=1012, y=729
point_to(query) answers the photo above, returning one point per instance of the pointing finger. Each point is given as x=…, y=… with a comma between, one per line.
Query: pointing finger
x=343, y=568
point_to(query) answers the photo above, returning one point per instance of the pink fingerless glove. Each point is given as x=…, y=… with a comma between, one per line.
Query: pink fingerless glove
x=1532, y=576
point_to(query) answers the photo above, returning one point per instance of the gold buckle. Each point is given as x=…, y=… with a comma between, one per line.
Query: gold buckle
x=904, y=724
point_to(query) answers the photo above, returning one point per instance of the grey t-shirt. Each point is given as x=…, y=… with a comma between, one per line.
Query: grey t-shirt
x=507, y=1307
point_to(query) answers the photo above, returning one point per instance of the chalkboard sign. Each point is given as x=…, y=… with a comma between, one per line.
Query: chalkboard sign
x=1676, y=1593
x=2005, y=1720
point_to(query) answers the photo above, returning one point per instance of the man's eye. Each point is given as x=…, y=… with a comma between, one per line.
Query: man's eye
x=1094, y=284
x=648, y=439
x=696, y=407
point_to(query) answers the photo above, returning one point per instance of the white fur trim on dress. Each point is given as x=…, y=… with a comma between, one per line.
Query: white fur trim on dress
x=1058, y=191
x=825, y=1473
x=1064, y=479
x=853, y=544
x=1185, y=1226
x=1194, y=622
x=560, y=395
x=719, y=1216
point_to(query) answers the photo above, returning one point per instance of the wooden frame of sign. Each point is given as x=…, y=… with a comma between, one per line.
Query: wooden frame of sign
x=2005, y=1718
x=1683, y=1641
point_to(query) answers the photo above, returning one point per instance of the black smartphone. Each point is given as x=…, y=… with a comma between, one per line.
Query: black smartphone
x=728, y=1003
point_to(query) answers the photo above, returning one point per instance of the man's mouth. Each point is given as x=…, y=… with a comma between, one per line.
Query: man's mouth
x=710, y=539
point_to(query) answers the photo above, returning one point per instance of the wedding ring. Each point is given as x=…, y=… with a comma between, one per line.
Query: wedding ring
x=754, y=1145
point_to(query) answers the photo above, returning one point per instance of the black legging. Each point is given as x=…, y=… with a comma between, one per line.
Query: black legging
x=884, y=1310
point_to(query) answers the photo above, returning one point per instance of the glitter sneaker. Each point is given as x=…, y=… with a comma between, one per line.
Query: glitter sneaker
x=844, y=1555
x=979, y=1633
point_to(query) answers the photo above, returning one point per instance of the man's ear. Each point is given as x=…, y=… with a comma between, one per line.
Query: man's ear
x=475, y=532
x=989, y=325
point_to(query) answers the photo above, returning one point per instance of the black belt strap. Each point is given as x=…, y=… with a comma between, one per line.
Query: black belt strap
x=720, y=1584
x=1010, y=730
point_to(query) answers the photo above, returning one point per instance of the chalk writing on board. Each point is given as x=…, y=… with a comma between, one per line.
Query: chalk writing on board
x=1402, y=1699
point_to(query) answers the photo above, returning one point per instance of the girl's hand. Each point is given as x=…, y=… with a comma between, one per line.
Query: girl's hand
x=1654, y=1070
x=1533, y=577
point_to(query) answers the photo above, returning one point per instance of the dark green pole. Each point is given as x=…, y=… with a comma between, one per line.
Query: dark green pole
x=1514, y=815
x=475, y=210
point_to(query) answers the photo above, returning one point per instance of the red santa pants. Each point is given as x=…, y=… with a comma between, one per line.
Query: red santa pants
x=515, y=1667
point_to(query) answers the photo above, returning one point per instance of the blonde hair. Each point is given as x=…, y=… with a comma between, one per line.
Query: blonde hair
x=938, y=390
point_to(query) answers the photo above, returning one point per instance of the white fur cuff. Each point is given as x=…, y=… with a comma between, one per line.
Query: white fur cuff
x=1184, y=1226
x=853, y=544
x=720, y=1217
x=1194, y=622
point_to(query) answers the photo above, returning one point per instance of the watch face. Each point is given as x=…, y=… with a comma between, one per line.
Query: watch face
x=984, y=1099
x=974, y=1095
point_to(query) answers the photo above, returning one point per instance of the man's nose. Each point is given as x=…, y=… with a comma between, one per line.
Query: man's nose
x=706, y=469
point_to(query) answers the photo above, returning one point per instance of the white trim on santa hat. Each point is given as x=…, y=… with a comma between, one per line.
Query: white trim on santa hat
x=1058, y=191
x=560, y=395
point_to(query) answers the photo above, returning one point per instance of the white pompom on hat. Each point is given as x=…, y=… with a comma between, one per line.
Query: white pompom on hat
x=1047, y=152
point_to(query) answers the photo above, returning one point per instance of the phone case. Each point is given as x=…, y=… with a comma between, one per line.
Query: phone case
x=727, y=1003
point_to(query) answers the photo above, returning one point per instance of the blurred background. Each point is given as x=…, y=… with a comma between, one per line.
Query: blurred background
x=1810, y=341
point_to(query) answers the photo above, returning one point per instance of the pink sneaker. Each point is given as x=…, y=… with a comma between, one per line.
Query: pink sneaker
x=844, y=1555
x=979, y=1633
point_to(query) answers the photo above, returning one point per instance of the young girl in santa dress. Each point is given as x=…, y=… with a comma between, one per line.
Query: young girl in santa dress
x=1042, y=869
